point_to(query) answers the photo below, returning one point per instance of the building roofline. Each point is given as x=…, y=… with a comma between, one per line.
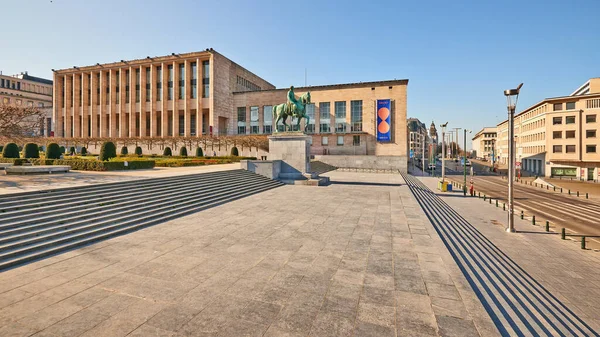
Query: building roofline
x=334, y=86
x=140, y=61
x=482, y=131
x=551, y=99
x=241, y=66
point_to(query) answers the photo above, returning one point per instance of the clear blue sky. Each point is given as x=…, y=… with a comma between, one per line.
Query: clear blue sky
x=458, y=55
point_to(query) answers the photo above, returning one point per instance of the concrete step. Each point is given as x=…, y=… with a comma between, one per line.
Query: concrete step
x=115, y=220
x=107, y=233
x=28, y=238
x=46, y=199
x=38, y=226
x=515, y=301
x=106, y=199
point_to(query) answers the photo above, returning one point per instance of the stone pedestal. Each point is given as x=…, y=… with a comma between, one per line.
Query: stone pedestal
x=293, y=149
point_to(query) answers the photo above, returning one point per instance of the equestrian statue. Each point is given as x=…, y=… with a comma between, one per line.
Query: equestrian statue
x=295, y=108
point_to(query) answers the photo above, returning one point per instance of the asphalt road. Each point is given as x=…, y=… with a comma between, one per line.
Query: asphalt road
x=576, y=214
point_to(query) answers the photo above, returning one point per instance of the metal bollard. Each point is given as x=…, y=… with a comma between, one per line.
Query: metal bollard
x=569, y=192
x=583, y=242
x=478, y=194
x=547, y=226
x=577, y=194
x=533, y=220
x=547, y=187
x=586, y=195
x=522, y=215
x=561, y=190
x=484, y=197
x=504, y=206
x=490, y=200
x=496, y=202
x=563, y=234
x=554, y=188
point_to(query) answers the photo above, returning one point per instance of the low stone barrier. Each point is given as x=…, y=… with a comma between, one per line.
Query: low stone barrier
x=39, y=169
x=367, y=163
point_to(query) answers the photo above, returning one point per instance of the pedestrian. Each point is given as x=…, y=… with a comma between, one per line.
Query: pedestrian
x=214, y=153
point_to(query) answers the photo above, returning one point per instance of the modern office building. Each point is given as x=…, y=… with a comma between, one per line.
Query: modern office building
x=558, y=136
x=29, y=91
x=205, y=93
x=483, y=143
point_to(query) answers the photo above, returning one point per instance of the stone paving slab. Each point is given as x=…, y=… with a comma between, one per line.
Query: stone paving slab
x=356, y=258
x=560, y=266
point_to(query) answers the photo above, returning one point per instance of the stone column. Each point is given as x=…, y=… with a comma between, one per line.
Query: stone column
x=122, y=103
x=85, y=118
x=58, y=110
x=93, y=106
x=143, y=105
x=77, y=105
x=186, y=97
x=175, y=101
x=101, y=104
x=132, y=103
x=152, y=101
x=68, y=106
x=164, y=123
x=112, y=120
x=199, y=112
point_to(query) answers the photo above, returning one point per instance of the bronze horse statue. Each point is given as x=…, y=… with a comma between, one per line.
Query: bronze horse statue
x=295, y=108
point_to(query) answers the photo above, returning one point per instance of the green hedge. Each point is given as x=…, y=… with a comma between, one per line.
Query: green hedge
x=108, y=150
x=31, y=151
x=11, y=150
x=53, y=151
x=190, y=162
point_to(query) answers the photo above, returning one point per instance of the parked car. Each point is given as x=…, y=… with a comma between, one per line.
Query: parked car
x=431, y=167
x=468, y=163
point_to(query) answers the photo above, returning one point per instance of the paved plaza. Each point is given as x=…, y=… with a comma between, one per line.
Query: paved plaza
x=356, y=258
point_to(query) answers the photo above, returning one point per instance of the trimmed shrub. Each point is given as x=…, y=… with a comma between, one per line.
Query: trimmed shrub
x=53, y=151
x=1, y=148
x=107, y=151
x=31, y=151
x=83, y=151
x=183, y=151
x=124, y=151
x=63, y=150
x=138, y=150
x=199, y=152
x=234, y=152
x=11, y=150
x=167, y=152
x=72, y=150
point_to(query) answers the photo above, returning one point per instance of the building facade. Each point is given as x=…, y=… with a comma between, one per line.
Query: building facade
x=558, y=136
x=205, y=93
x=484, y=142
x=29, y=91
x=418, y=138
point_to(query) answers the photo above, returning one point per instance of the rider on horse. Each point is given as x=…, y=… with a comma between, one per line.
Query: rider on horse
x=292, y=101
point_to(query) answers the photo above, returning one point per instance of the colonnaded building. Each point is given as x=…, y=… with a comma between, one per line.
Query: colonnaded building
x=205, y=93
x=558, y=136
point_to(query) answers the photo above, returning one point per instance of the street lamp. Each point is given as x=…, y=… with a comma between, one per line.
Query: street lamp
x=444, y=150
x=493, y=154
x=456, y=143
x=512, y=97
x=465, y=162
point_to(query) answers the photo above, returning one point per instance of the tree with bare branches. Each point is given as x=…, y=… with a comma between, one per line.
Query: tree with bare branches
x=17, y=121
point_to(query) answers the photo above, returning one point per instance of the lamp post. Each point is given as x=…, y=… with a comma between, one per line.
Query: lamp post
x=493, y=154
x=444, y=150
x=512, y=97
x=456, y=142
x=423, y=155
x=465, y=163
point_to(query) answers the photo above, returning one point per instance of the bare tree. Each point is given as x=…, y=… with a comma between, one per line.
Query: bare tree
x=17, y=121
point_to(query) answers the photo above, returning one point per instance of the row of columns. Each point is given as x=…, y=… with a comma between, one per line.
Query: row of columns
x=73, y=108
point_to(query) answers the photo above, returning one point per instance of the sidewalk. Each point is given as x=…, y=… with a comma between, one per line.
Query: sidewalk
x=551, y=282
x=356, y=258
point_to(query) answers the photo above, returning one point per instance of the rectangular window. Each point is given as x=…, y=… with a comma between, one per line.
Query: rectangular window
x=556, y=120
x=40, y=105
x=126, y=86
x=557, y=107
x=170, y=83
x=253, y=114
x=205, y=79
x=30, y=104
x=340, y=109
x=590, y=119
x=569, y=134
x=181, y=125
x=148, y=85
x=340, y=127
x=254, y=129
x=159, y=90
x=325, y=110
x=325, y=141
x=557, y=148
x=182, y=81
x=340, y=140
x=590, y=134
x=356, y=140
x=556, y=134
x=194, y=80
x=324, y=128
x=356, y=115
x=590, y=149
x=267, y=129
x=570, y=120
x=570, y=148
x=570, y=105
x=241, y=120
x=137, y=85
x=267, y=119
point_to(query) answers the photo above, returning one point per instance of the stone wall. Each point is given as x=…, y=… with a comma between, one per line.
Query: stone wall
x=266, y=168
x=366, y=162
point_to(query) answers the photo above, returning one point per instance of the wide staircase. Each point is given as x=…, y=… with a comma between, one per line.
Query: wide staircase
x=35, y=225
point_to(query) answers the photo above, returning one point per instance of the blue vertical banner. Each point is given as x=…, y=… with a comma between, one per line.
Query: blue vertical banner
x=384, y=120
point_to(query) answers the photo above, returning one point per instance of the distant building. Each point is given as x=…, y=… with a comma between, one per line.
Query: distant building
x=484, y=142
x=558, y=136
x=418, y=137
x=29, y=91
x=433, y=134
